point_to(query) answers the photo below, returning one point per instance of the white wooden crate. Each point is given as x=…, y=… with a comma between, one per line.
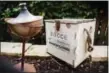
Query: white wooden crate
x=69, y=43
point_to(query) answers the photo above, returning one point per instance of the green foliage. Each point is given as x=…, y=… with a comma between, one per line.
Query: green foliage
x=49, y=9
x=62, y=9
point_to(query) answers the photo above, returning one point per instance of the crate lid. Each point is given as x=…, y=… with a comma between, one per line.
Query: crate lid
x=70, y=21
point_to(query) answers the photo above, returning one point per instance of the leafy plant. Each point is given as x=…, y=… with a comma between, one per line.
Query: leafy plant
x=49, y=9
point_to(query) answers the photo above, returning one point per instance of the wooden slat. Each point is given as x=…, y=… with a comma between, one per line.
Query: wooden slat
x=14, y=49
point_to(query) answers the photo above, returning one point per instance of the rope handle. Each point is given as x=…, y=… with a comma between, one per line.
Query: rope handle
x=89, y=40
x=90, y=48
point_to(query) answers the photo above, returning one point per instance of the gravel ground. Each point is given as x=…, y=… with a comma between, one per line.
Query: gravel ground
x=53, y=65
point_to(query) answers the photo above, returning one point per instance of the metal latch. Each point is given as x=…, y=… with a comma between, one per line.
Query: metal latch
x=57, y=25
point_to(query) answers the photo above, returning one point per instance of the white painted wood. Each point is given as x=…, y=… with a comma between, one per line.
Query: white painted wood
x=81, y=54
x=59, y=52
x=76, y=46
x=12, y=48
x=37, y=50
x=100, y=53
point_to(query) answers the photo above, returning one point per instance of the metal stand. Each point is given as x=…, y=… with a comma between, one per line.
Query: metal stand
x=23, y=54
x=25, y=67
x=24, y=13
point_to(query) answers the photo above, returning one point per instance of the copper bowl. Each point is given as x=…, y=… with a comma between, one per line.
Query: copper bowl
x=25, y=30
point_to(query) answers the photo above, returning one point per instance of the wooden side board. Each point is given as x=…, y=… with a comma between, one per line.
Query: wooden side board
x=15, y=49
x=100, y=53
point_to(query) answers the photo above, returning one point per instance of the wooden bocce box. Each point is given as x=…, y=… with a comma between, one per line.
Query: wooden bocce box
x=66, y=39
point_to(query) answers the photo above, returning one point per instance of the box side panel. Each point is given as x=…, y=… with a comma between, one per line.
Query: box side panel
x=61, y=43
x=81, y=51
